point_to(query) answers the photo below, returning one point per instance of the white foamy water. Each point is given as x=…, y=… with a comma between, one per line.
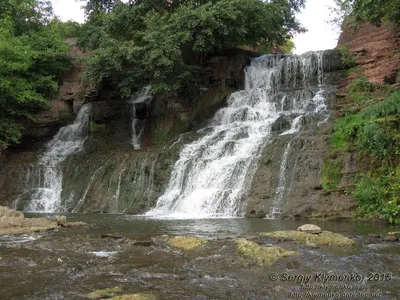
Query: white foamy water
x=68, y=140
x=104, y=254
x=214, y=173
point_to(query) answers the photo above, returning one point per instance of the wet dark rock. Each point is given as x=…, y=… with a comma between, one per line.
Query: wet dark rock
x=375, y=235
x=142, y=243
x=281, y=124
x=256, y=214
x=111, y=236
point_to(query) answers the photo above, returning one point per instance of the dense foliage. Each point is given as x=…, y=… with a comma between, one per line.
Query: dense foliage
x=373, y=132
x=163, y=43
x=373, y=11
x=32, y=55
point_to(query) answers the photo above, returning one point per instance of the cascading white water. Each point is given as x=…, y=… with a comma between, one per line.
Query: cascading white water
x=213, y=174
x=68, y=140
x=143, y=96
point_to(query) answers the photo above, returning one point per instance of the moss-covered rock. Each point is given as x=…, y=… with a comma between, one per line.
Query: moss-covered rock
x=186, y=242
x=139, y=296
x=262, y=255
x=13, y=222
x=108, y=292
x=324, y=238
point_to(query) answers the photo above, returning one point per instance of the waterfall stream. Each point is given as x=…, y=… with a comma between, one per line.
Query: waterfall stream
x=68, y=140
x=145, y=97
x=213, y=174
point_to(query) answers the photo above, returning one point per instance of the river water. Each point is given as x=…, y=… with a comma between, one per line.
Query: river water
x=70, y=263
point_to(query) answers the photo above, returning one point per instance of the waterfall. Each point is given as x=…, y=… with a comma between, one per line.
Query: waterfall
x=212, y=174
x=68, y=140
x=145, y=97
x=276, y=208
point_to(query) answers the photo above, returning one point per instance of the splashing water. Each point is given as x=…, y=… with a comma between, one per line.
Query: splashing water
x=213, y=174
x=68, y=140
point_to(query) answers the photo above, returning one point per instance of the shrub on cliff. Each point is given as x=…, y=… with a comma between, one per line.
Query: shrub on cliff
x=163, y=43
x=373, y=11
x=374, y=133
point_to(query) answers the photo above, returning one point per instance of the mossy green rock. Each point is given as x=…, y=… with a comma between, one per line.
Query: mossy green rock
x=186, y=242
x=324, y=238
x=139, y=296
x=99, y=294
x=263, y=255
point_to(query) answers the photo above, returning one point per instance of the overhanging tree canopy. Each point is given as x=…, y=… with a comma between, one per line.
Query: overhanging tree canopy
x=162, y=42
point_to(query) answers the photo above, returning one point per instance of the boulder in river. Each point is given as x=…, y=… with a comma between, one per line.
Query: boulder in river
x=186, y=242
x=324, y=238
x=310, y=228
x=262, y=255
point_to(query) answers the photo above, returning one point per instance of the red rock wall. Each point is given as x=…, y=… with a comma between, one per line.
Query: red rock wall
x=376, y=49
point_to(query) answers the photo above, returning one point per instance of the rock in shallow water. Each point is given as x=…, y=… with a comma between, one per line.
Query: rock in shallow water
x=104, y=293
x=310, y=228
x=186, y=242
x=262, y=255
x=324, y=238
x=139, y=296
x=62, y=221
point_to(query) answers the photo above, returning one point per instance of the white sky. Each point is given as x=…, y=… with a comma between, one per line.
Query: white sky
x=314, y=17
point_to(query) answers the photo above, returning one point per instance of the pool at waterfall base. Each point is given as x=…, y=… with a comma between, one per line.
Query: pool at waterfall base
x=136, y=256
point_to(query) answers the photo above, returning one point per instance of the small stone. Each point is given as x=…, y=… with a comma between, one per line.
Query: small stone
x=390, y=238
x=62, y=221
x=310, y=228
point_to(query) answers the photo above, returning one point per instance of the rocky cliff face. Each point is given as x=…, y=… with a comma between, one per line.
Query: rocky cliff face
x=375, y=50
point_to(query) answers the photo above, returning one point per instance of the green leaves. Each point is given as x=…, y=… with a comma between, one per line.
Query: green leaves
x=373, y=11
x=32, y=55
x=374, y=133
x=161, y=42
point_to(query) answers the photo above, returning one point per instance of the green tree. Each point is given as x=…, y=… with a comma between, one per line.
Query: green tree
x=373, y=11
x=163, y=43
x=32, y=56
